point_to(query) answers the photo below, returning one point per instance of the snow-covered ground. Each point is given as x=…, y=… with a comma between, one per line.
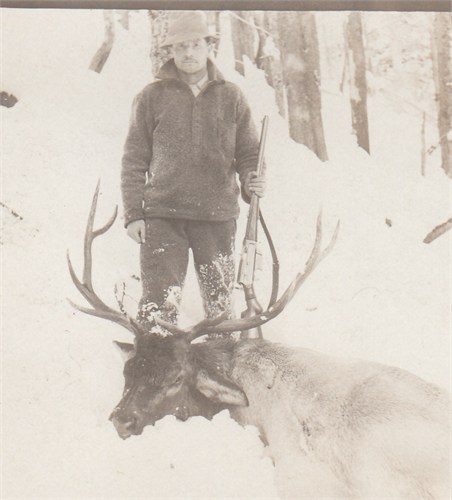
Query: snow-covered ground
x=381, y=295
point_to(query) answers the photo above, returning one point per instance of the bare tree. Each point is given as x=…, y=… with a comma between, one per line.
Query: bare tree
x=267, y=31
x=358, y=82
x=299, y=49
x=159, y=26
x=124, y=18
x=423, y=147
x=442, y=76
x=213, y=21
x=243, y=38
x=102, y=53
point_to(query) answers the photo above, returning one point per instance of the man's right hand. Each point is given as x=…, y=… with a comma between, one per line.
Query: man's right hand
x=137, y=230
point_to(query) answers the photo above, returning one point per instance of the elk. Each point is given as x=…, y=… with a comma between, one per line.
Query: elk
x=336, y=428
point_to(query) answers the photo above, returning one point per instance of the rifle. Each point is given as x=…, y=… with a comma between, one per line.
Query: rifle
x=251, y=257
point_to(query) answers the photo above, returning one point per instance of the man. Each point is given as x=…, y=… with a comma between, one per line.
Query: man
x=190, y=133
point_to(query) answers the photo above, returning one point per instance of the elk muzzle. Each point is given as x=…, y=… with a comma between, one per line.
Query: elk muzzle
x=126, y=423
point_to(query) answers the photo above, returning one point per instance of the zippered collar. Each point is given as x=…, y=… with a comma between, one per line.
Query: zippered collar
x=169, y=72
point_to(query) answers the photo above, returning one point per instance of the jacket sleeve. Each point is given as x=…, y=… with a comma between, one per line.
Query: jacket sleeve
x=247, y=143
x=136, y=159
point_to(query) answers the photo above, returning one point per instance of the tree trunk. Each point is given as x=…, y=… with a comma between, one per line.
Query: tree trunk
x=213, y=21
x=268, y=61
x=423, y=147
x=442, y=76
x=159, y=26
x=243, y=38
x=358, y=82
x=101, y=56
x=124, y=19
x=301, y=71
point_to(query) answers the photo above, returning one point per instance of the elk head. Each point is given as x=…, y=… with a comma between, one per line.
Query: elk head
x=171, y=375
x=165, y=376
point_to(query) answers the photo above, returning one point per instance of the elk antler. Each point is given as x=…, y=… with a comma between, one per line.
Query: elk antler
x=85, y=287
x=218, y=325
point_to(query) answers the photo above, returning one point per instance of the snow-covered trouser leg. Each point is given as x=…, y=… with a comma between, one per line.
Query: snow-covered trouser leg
x=164, y=260
x=212, y=244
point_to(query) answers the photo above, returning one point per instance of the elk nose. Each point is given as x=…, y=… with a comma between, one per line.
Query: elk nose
x=125, y=428
x=183, y=413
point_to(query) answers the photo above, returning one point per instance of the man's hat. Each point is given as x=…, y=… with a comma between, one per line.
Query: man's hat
x=184, y=26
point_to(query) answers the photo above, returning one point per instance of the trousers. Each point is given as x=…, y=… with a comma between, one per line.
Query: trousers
x=164, y=260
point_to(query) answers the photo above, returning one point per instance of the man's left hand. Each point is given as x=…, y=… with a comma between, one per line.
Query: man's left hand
x=255, y=184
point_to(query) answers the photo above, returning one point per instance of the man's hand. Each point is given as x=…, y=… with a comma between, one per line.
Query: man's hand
x=136, y=230
x=255, y=184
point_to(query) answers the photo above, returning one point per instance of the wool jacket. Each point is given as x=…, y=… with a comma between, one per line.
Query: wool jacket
x=182, y=152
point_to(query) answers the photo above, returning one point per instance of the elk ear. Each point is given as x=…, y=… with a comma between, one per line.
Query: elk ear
x=125, y=349
x=220, y=390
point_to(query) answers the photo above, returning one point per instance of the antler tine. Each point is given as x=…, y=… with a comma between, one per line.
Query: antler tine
x=332, y=242
x=169, y=326
x=317, y=244
x=90, y=235
x=85, y=287
x=313, y=261
x=205, y=325
x=196, y=331
x=112, y=316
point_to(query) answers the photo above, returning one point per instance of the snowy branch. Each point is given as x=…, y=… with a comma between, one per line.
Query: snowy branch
x=438, y=231
x=11, y=211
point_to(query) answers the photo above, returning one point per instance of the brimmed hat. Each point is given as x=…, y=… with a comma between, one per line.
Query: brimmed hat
x=183, y=26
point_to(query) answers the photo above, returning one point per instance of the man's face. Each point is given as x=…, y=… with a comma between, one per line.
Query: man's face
x=191, y=56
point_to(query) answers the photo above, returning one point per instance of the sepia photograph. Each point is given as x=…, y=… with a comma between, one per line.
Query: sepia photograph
x=226, y=250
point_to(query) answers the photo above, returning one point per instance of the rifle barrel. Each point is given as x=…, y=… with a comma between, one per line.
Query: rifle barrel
x=260, y=156
x=253, y=213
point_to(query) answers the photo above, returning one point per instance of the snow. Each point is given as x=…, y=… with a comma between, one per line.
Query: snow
x=381, y=294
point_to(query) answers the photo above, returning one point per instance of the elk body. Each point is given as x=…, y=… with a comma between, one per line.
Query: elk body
x=336, y=428
x=341, y=428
